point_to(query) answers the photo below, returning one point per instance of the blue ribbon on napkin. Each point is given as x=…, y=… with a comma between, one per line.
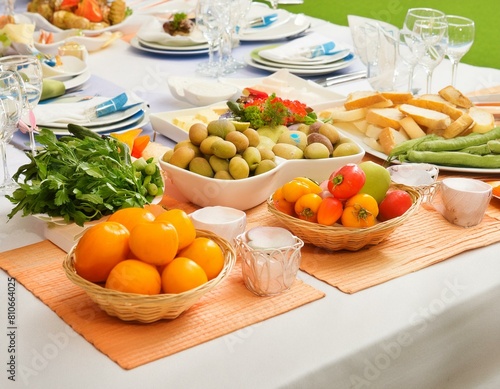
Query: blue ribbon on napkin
x=110, y=106
x=263, y=21
x=327, y=48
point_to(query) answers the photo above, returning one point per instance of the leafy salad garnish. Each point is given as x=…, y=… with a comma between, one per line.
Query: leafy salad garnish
x=83, y=178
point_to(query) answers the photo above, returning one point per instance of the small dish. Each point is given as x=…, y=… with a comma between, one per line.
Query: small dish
x=70, y=67
x=91, y=43
x=421, y=176
x=225, y=222
x=200, y=91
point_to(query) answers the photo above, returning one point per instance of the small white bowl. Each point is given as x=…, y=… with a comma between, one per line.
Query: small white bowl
x=226, y=222
x=414, y=174
x=200, y=91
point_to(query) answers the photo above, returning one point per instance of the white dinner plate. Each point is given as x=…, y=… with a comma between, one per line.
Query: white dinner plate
x=107, y=120
x=296, y=25
x=140, y=119
x=77, y=81
x=159, y=46
x=321, y=60
x=309, y=71
x=69, y=68
x=134, y=42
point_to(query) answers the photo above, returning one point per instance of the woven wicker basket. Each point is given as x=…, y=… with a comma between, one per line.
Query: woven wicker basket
x=343, y=238
x=144, y=308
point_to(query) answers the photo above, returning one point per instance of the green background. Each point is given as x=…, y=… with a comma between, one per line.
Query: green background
x=486, y=14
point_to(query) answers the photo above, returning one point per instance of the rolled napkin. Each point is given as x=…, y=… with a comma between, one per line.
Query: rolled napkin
x=152, y=31
x=51, y=89
x=308, y=49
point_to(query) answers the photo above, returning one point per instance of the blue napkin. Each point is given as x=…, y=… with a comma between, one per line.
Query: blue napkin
x=264, y=21
x=110, y=106
x=327, y=48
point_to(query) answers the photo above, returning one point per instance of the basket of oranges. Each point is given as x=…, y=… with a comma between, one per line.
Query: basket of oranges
x=146, y=273
x=336, y=236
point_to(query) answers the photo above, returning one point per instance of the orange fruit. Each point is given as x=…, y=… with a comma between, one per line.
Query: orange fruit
x=206, y=253
x=133, y=276
x=99, y=249
x=182, y=223
x=181, y=275
x=130, y=217
x=155, y=243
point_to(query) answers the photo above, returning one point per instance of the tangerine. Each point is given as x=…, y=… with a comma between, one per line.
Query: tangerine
x=155, y=243
x=130, y=217
x=134, y=276
x=99, y=249
x=181, y=275
x=206, y=253
x=182, y=223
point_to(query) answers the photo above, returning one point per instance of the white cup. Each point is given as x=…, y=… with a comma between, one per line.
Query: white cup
x=225, y=222
x=462, y=201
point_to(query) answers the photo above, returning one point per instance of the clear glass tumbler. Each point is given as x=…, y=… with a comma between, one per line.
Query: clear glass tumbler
x=269, y=272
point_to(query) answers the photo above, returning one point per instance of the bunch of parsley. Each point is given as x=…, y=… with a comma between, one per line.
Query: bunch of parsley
x=78, y=178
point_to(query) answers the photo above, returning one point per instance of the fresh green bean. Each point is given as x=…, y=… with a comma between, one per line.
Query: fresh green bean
x=404, y=147
x=478, y=150
x=460, y=142
x=455, y=158
x=494, y=146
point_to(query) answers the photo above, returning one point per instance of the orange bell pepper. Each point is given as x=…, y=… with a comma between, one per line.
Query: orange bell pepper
x=140, y=144
x=128, y=137
x=90, y=9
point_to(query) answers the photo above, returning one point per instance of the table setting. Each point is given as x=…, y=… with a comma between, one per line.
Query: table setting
x=310, y=303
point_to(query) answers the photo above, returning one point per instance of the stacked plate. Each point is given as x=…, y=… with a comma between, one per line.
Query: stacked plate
x=57, y=114
x=152, y=38
x=72, y=71
x=310, y=55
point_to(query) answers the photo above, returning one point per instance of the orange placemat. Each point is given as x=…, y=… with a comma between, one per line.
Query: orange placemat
x=227, y=308
x=425, y=239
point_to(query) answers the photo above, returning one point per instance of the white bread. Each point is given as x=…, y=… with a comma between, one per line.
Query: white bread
x=389, y=137
x=361, y=125
x=453, y=95
x=363, y=99
x=373, y=143
x=437, y=105
x=483, y=120
x=384, y=117
x=340, y=114
x=398, y=97
x=411, y=127
x=433, y=121
x=373, y=131
x=458, y=126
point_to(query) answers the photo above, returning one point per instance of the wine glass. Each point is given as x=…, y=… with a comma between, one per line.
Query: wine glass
x=11, y=105
x=408, y=39
x=431, y=42
x=460, y=38
x=274, y=3
x=210, y=20
x=29, y=69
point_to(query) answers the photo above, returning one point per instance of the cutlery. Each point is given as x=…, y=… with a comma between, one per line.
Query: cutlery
x=72, y=98
x=263, y=21
x=329, y=81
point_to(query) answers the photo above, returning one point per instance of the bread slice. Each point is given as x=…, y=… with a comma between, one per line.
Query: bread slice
x=484, y=121
x=453, y=95
x=363, y=99
x=458, y=126
x=411, y=127
x=340, y=114
x=389, y=138
x=437, y=105
x=384, y=117
x=434, y=121
x=398, y=97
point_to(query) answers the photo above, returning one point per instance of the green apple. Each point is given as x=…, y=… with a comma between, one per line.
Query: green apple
x=377, y=181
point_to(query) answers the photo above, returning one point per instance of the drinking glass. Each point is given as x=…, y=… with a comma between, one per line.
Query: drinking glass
x=11, y=104
x=431, y=42
x=29, y=69
x=406, y=34
x=274, y=3
x=460, y=38
x=211, y=16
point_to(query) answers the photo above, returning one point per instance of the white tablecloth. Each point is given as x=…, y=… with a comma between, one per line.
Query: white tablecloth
x=436, y=328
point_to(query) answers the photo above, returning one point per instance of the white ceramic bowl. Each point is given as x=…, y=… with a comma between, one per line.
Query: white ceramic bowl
x=249, y=192
x=226, y=222
x=200, y=91
x=91, y=43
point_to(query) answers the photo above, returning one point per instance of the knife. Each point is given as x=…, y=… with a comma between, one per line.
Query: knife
x=329, y=81
x=263, y=21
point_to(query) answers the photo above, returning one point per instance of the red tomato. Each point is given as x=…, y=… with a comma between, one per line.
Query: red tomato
x=329, y=211
x=394, y=204
x=346, y=181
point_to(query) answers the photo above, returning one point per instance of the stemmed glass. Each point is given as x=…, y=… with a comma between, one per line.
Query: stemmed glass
x=430, y=46
x=211, y=17
x=460, y=38
x=11, y=103
x=29, y=69
x=408, y=38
